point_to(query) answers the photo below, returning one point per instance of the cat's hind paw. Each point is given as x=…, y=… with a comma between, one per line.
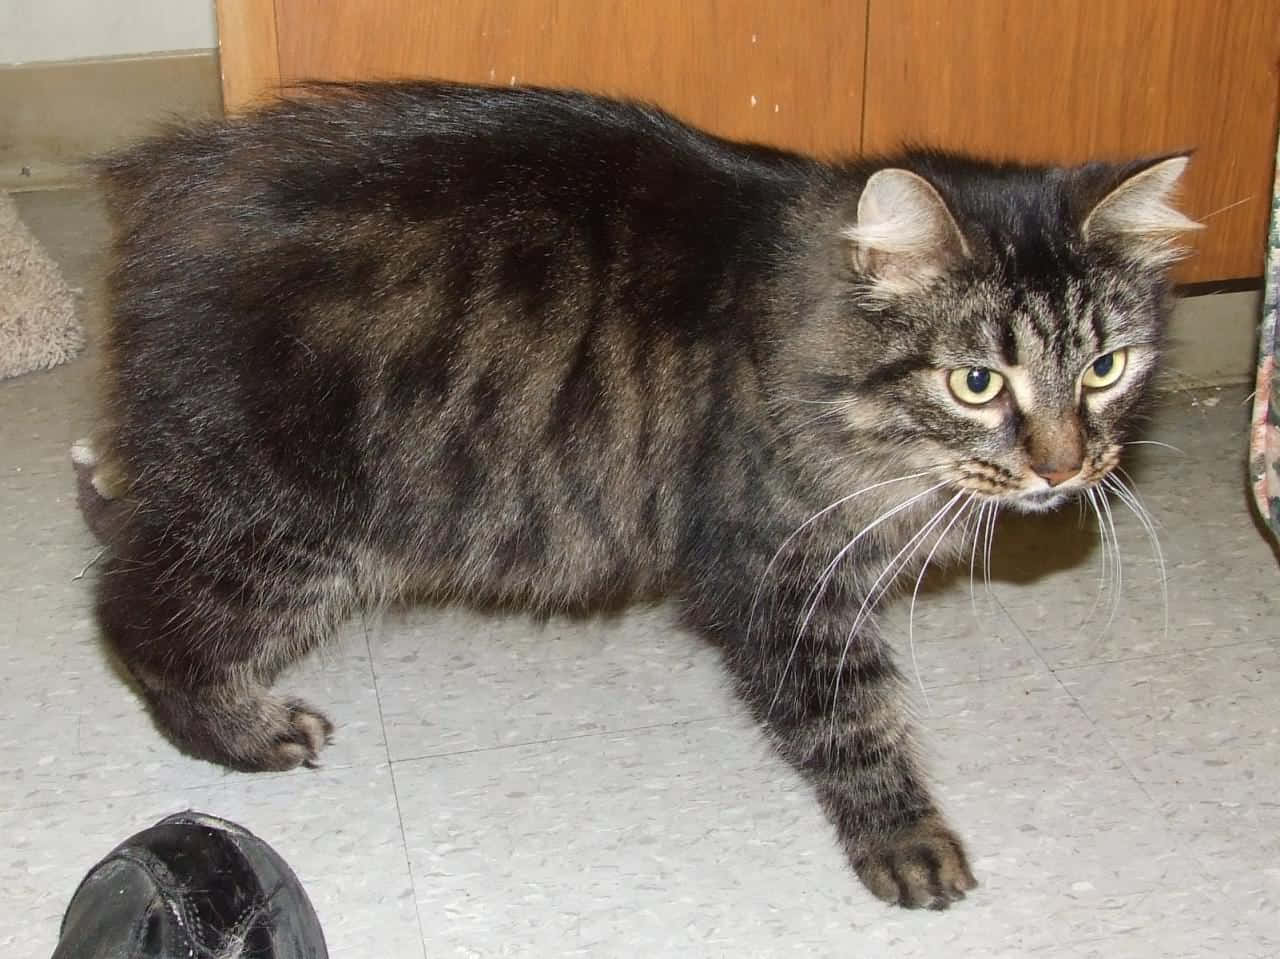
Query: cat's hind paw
x=921, y=866
x=247, y=730
x=297, y=741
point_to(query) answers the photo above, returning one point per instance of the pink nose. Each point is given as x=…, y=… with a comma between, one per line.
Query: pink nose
x=1056, y=477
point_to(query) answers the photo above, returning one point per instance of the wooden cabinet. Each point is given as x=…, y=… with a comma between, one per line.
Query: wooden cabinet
x=1044, y=80
x=726, y=65
x=1060, y=81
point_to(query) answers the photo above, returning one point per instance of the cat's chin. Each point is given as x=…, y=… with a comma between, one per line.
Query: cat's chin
x=1041, y=501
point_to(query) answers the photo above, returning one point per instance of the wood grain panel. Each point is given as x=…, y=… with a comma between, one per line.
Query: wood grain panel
x=1067, y=80
x=247, y=51
x=783, y=73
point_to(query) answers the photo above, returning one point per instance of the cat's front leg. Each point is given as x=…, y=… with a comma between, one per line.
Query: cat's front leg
x=831, y=703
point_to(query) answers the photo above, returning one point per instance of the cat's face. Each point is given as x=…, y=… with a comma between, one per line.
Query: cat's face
x=1028, y=396
x=1011, y=354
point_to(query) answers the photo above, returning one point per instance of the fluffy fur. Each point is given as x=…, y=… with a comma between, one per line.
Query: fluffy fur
x=537, y=349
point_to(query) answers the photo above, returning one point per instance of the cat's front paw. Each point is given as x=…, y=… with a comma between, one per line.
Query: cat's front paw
x=923, y=865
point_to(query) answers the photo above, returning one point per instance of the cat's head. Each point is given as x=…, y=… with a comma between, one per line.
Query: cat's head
x=1000, y=324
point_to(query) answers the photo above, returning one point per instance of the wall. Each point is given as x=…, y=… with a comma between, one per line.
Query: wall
x=79, y=77
x=42, y=30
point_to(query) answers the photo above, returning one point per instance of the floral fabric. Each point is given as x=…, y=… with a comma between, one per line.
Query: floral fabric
x=1264, y=441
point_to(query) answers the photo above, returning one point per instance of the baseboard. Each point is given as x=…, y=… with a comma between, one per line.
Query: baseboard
x=54, y=115
x=1214, y=340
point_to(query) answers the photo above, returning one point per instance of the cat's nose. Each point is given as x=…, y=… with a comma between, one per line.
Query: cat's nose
x=1055, y=475
x=1055, y=446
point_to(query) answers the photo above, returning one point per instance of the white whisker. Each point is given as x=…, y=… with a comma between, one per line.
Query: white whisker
x=824, y=578
x=1230, y=206
x=990, y=543
x=973, y=555
x=911, y=614
x=892, y=569
x=779, y=400
x=1124, y=480
x=813, y=519
x=1119, y=564
x=1167, y=446
x=1104, y=552
x=803, y=424
x=1130, y=498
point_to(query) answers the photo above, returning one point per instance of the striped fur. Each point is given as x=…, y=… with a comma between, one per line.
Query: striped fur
x=536, y=349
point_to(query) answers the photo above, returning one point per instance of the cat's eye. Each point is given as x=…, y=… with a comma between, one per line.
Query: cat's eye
x=1105, y=370
x=975, y=385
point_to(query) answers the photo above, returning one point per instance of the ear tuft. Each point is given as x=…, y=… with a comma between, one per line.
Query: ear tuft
x=904, y=236
x=1138, y=218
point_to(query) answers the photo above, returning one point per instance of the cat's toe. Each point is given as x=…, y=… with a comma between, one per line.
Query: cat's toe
x=295, y=739
x=83, y=453
x=922, y=866
x=307, y=732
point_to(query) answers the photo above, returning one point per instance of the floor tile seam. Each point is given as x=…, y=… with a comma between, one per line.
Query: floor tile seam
x=395, y=793
x=552, y=740
x=1079, y=706
x=988, y=680
x=1169, y=654
x=260, y=777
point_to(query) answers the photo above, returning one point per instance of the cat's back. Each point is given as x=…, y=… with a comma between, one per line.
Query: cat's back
x=368, y=214
x=431, y=149
x=378, y=200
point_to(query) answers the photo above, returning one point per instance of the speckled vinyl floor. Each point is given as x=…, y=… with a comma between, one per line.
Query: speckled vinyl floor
x=591, y=789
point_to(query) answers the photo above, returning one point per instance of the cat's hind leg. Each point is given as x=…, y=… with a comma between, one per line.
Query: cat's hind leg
x=100, y=492
x=204, y=647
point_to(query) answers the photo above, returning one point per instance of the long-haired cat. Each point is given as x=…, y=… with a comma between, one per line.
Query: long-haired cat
x=538, y=349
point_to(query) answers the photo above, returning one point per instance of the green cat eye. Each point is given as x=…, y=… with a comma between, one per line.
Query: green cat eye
x=975, y=385
x=1105, y=370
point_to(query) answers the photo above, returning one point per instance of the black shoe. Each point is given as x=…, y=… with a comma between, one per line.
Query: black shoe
x=191, y=886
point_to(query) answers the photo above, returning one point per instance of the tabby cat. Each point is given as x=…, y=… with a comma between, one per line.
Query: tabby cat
x=535, y=349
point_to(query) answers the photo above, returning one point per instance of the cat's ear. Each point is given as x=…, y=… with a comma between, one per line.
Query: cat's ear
x=1137, y=216
x=904, y=236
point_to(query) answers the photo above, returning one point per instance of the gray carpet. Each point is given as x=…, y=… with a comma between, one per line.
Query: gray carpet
x=38, y=325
